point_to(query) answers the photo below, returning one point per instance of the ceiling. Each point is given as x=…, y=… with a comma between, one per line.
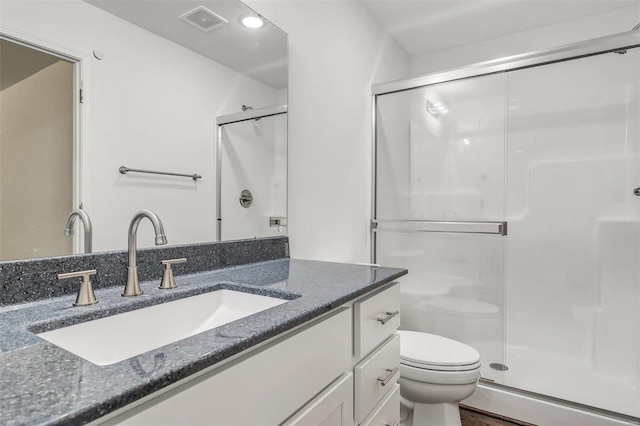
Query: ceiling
x=259, y=53
x=425, y=26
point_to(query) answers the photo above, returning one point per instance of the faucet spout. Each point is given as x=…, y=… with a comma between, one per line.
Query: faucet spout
x=86, y=223
x=133, y=286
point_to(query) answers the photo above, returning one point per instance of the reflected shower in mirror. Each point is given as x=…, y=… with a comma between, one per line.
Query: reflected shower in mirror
x=252, y=174
x=144, y=84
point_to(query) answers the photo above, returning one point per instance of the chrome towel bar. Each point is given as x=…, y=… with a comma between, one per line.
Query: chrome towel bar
x=124, y=170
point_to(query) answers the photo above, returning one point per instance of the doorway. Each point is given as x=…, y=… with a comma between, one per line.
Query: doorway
x=37, y=118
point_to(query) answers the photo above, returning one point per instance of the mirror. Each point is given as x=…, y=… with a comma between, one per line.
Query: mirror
x=142, y=84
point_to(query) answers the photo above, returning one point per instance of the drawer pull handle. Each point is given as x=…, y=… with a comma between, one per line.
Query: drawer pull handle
x=386, y=319
x=384, y=380
x=396, y=423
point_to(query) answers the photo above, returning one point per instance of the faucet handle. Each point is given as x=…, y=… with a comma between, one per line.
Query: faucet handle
x=85, y=295
x=168, y=282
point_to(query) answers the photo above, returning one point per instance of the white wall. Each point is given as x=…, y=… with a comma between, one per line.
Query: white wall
x=600, y=25
x=336, y=52
x=153, y=106
x=36, y=145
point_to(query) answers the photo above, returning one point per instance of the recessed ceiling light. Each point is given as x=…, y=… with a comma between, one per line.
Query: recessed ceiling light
x=252, y=21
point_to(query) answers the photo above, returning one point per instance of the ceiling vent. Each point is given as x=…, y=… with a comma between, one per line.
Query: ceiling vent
x=203, y=19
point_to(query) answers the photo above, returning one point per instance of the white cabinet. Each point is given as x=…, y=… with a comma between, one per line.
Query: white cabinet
x=306, y=377
x=373, y=391
x=387, y=413
x=377, y=354
x=375, y=376
x=333, y=407
x=263, y=389
x=375, y=319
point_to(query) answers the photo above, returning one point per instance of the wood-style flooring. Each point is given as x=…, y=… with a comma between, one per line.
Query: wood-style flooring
x=474, y=417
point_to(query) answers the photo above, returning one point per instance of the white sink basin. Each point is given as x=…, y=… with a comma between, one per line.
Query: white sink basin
x=112, y=339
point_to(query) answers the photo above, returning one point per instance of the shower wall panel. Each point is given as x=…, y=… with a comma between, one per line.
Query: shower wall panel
x=440, y=152
x=440, y=157
x=572, y=258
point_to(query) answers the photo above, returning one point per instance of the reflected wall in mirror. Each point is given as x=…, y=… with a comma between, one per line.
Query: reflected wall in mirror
x=150, y=102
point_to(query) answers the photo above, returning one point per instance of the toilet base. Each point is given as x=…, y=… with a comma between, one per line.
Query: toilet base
x=440, y=414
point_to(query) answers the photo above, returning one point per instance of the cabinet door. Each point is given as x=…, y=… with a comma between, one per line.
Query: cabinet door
x=333, y=407
x=262, y=389
x=388, y=411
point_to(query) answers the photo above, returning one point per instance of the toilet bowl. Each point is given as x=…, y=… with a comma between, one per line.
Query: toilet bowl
x=436, y=373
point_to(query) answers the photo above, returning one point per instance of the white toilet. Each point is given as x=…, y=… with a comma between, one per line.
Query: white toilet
x=436, y=373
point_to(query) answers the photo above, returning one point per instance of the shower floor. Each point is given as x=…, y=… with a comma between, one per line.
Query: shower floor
x=568, y=378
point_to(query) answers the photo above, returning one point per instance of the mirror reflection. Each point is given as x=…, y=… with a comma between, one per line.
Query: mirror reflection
x=87, y=87
x=252, y=196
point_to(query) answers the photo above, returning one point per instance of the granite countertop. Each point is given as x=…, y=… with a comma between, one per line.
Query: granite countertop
x=41, y=383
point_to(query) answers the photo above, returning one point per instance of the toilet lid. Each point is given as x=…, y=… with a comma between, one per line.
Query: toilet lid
x=463, y=306
x=428, y=350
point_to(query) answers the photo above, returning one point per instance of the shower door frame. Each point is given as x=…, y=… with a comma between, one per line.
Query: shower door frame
x=583, y=49
x=249, y=114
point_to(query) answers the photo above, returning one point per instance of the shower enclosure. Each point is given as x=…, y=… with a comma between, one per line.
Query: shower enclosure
x=252, y=173
x=511, y=191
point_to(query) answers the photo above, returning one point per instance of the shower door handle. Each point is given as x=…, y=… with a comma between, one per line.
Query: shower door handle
x=455, y=227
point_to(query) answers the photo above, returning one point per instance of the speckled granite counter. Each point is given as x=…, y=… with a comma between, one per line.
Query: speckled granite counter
x=41, y=383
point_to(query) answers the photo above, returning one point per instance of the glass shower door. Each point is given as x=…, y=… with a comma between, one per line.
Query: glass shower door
x=253, y=178
x=553, y=150
x=573, y=249
x=440, y=208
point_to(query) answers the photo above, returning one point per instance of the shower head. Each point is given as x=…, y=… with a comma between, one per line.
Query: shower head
x=247, y=108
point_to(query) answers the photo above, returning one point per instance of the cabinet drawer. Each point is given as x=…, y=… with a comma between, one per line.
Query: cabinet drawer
x=375, y=376
x=387, y=413
x=375, y=319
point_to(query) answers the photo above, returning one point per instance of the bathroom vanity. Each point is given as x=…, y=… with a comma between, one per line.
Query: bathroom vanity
x=328, y=354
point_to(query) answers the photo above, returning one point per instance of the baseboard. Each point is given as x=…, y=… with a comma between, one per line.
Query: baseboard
x=536, y=411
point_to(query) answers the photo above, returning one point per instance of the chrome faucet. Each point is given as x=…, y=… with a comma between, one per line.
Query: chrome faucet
x=133, y=286
x=86, y=223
